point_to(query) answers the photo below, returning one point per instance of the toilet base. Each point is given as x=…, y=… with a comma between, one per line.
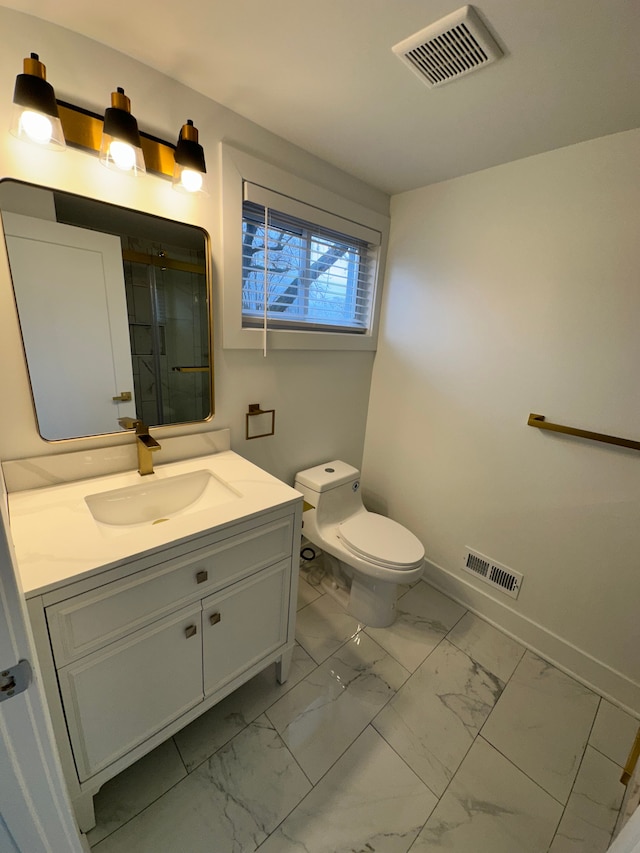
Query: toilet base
x=373, y=603
x=370, y=601
x=337, y=592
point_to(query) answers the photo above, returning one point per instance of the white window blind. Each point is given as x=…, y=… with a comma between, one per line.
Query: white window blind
x=303, y=267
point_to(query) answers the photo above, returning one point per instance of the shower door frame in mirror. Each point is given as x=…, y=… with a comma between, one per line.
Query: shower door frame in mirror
x=159, y=329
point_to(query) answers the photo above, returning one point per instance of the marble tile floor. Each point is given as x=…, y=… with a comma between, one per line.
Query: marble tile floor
x=436, y=734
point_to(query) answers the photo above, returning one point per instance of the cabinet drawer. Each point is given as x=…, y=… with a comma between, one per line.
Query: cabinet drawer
x=116, y=698
x=243, y=624
x=86, y=622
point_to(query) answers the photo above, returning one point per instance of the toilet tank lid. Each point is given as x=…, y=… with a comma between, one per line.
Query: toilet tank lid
x=327, y=476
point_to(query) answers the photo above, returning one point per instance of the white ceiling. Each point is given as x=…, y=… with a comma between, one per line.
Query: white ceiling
x=322, y=75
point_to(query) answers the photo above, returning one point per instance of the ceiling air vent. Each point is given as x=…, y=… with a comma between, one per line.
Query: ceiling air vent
x=450, y=48
x=493, y=573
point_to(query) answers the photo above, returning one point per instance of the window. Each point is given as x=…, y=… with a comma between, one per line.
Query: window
x=300, y=264
x=302, y=275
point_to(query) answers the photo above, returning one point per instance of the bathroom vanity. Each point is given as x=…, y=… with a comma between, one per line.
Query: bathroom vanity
x=151, y=599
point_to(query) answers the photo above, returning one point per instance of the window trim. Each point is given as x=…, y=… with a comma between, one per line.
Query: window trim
x=239, y=167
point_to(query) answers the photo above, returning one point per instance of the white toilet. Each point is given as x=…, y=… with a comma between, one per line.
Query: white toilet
x=369, y=555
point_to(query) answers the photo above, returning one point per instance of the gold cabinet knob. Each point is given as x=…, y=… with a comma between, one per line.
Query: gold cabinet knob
x=123, y=397
x=215, y=618
x=202, y=576
x=191, y=631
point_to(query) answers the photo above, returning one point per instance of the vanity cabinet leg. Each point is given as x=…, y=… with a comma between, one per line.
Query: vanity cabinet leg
x=84, y=811
x=282, y=666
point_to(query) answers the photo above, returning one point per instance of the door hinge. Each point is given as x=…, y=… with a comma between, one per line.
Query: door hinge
x=14, y=680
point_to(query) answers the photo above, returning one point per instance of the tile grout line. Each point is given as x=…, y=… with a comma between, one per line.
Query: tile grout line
x=584, y=752
x=608, y=757
x=422, y=782
x=275, y=828
x=184, y=764
x=587, y=745
x=284, y=743
x=524, y=773
x=137, y=814
x=513, y=764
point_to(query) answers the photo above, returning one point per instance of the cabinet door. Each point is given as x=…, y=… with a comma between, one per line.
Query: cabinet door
x=243, y=624
x=118, y=697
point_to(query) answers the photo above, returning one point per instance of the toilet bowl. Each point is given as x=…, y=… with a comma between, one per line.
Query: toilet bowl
x=368, y=554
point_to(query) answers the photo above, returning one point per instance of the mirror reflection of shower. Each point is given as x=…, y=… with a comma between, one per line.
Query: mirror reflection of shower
x=167, y=307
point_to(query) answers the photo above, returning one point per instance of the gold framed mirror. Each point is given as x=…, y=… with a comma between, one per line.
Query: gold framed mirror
x=115, y=312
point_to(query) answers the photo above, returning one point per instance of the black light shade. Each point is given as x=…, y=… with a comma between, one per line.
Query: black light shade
x=121, y=146
x=35, y=112
x=118, y=121
x=189, y=159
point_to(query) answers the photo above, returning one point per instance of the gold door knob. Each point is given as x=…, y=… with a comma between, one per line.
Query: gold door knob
x=215, y=618
x=191, y=631
x=201, y=577
x=123, y=397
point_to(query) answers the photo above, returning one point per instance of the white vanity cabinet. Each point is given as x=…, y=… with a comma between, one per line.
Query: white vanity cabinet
x=133, y=653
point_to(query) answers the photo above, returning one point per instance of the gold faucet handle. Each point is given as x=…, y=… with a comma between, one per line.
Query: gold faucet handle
x=130, y=423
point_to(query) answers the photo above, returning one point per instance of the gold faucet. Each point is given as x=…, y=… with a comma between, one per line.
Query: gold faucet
x=145, y=444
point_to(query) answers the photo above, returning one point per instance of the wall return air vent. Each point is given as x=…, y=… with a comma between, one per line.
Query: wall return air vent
x=493, y=573
x=450, y=48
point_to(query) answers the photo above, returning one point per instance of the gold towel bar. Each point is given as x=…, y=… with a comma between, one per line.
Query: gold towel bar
x=539, y=422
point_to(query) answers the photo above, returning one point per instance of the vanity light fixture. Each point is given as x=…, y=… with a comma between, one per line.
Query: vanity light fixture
x=35, y=110
x=121, y=147
x=40, y=118
x=190, y=167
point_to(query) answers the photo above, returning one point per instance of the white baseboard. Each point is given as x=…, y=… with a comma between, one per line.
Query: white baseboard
x=590, y=671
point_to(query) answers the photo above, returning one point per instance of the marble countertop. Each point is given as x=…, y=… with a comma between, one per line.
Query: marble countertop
x=57, y=540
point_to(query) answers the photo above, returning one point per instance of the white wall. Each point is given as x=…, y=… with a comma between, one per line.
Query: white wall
x=511, y=291
x=320, y=397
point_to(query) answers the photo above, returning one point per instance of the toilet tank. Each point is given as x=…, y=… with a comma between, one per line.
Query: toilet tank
x=327, y=476
x=332, y=489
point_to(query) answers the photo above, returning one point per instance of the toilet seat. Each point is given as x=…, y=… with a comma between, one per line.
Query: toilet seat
x=381, y=541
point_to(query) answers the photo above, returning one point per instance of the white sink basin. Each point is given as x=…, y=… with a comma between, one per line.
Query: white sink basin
x=161, y=499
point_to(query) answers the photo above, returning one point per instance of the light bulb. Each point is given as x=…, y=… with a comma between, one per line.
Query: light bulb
x=123, y=155
x=191, y=180
x=36, y=126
